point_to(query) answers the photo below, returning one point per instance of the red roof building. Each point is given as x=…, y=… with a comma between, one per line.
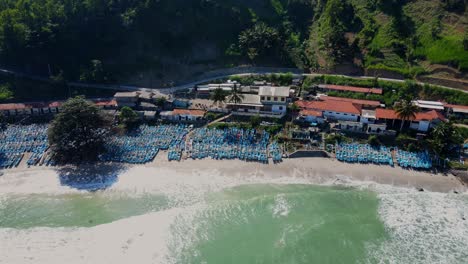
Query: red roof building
x=106, y=103
x=350, y=89
x=8, y=107
x=306, y=112
x=354, y=101
x=331, y=106
x=188, y=112
x=421, y=116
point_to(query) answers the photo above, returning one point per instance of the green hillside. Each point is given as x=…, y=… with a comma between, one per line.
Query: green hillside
x=112, y=40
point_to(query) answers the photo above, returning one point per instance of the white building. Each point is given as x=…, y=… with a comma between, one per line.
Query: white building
x=429, y=105
x=422, y=122
x=127, y=99
x=269, y=102
x=188, y=115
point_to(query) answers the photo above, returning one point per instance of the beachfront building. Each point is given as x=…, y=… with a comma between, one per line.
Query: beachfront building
x=333, y=110
x=367, y=104
x=184, y=115
x=129, y=99
x=422, y=122
x=341, y=88
x=270, y=101
x=205, y=90
x=14, y=109
x=311, y=116
x=429, y=105
x=460, y=111
x=105, y=103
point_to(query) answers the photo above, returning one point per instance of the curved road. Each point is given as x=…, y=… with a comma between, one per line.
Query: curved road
x=218, y=74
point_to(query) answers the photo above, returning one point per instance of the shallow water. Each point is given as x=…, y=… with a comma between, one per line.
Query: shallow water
x=254, y=223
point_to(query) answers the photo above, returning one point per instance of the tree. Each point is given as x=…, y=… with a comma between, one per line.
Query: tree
x=374, y=141
x=333, y=23
x=255, y=121
x=94, y=73
x=128, y=117
x=443, y=137
x=218, y=96
x=294, y=108
x=78, y=132
x=465, y=41
x=161, y=101
x=236, y=97
x=258, y=40
x=406, y=110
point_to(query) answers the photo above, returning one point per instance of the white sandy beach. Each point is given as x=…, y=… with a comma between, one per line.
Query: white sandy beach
x=143, y=239
x=304, y=170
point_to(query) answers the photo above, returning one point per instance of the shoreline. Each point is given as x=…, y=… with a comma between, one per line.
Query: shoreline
x=320, y=171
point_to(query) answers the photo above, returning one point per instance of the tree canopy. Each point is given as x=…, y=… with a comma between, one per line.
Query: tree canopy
x=78, y=132
x=108, y=40
x=443, y=138
x=128, y=117
x=406, y=110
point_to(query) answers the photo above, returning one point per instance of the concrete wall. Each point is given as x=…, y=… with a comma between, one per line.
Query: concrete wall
x=312, y=119
x=341, y=116
x=309, y=154
x=276, y=108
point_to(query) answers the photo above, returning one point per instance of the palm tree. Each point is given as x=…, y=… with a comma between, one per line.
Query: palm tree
x=236, y=97
x=406, y=110
x=218, y=96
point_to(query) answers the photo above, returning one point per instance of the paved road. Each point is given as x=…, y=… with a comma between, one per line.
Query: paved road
x=218, y=74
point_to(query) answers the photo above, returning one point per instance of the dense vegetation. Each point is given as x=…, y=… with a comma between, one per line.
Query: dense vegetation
x=78, y=132
x=105, y=40
x=393, y=91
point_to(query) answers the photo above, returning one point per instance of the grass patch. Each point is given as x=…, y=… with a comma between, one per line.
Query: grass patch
x=446, y=50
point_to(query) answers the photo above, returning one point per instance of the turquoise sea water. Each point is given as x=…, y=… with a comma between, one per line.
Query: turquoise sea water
x=268, y=223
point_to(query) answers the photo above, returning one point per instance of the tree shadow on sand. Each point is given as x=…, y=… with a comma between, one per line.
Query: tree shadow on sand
x=92, y=177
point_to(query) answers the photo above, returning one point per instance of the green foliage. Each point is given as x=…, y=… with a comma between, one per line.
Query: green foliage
x=105, y=40
x=446, y=50
x=128, y=117
x=406, y=110
x=161, y=101
x=393, y=91
x=259, y=40
x=373, y=140
x=332, y=25
x=78, y=132
x=272, y=129
x=218, y=96
x=335, y=138
x=255, y=121
x=443, y=137
x=94, y=73
x=5, y=91
x=236, y=97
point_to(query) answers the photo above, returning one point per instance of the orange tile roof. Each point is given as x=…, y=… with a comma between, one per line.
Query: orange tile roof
x=456, y=106
x=335, y=106
x=192, y=112
x=6, y=107
x=391, y=114
x=306, y=112
x=55, y=104
x=352, y=89
x=106, y=103
x=354, y=101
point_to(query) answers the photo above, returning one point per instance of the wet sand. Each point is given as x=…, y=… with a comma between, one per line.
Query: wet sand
x=306, y=170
